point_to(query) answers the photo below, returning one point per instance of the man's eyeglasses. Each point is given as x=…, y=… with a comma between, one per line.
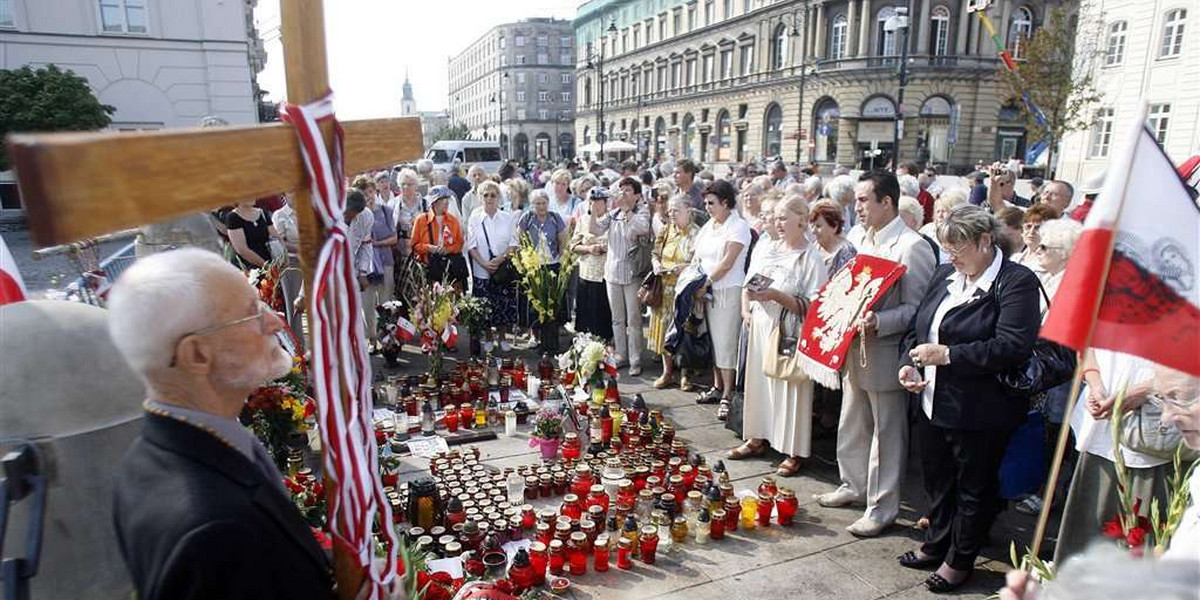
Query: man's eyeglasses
x=261, y=315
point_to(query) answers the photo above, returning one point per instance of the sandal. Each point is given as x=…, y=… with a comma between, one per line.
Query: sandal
x=789, y=467
x=723, y=409
x=747, y=450
x=711, y=396
x=911, y=560
x=940, y=585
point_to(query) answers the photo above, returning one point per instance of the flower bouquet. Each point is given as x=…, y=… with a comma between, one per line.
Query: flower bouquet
x=434, y=315
x=309, y=495
x=280, y=410
x=265, y=281
x=473, y=313
x=547, y=431
x=544, y=286
x=586, y=361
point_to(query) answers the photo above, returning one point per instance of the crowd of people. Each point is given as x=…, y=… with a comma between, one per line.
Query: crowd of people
x=746, y=253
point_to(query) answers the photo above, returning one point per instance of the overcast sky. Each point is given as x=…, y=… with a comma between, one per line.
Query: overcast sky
x=372, y=42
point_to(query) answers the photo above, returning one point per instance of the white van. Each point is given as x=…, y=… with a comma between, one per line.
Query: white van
x=467, y=152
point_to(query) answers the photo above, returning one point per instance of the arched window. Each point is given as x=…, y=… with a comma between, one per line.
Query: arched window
x=724, y=129
x=837, y=40
x=587, y=91
x=566, y=145
x=885, y=41
x=587, y=135
x=779, y=46
x=773, y=131
x=1172, y=42
x=521, y=147
x=1114, y=47
x=689, y=135
x=939, y=42
x=825, y=128
x=1019, y=31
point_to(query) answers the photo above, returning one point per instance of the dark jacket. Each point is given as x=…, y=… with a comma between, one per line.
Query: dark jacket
x=990, y=335
x=196, y=519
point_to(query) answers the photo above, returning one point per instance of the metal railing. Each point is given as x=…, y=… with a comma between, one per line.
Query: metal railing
x=95, y=274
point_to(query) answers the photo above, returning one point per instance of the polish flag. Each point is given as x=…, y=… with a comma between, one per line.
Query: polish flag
x=12, y=287
x=450, y=336
x=405, y=330
x=1131, y=284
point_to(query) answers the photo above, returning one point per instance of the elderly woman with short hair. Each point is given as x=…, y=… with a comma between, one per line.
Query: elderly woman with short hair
x=518, y=191
x=840, y=190
x=978, y=319
x=592, y=313
x=491, y=238
x=626, y=225
x=828, y=227
x=1031, y=227
x=941, y=207
x=672, y=252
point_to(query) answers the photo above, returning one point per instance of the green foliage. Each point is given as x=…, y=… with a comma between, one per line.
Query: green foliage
x=48, y=99
x=1057, y=75
x=453, y=132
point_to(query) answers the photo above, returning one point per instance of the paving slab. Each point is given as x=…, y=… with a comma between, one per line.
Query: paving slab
x=813, y=576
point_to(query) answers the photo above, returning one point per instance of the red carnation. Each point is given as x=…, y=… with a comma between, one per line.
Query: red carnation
x=475, y=567
x=443, y=578
x=318, y=489
x=292, y=486
x=1136, y=537
x=1113, y=530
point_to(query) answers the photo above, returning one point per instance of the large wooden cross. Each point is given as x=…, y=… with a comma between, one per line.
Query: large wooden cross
x=128, y=179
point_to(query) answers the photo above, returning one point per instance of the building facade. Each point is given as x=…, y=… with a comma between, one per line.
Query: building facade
x=515, y=84
x=737, y=80
x=1147, y=65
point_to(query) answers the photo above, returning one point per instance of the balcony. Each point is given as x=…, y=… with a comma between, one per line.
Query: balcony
x=886, y=63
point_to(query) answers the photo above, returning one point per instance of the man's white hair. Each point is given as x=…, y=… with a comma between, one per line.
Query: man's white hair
x=425, y=166
x=812, y=186
x=909, y=186
x=840, y=189
x=158, y=300
x=909, y=206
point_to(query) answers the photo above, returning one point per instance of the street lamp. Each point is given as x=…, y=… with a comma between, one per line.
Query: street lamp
x=898, y=25
x=796, y=24
x=598, y=66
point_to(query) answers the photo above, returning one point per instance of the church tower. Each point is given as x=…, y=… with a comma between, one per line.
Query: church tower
x=408, y=106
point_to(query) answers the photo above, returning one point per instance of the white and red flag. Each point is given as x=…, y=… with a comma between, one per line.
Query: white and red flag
x=405, y=330
x=450, y=336
x=12, y=287
x=1145, y=298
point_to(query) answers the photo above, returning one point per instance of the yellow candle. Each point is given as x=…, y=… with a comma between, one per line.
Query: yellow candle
x=749, y=512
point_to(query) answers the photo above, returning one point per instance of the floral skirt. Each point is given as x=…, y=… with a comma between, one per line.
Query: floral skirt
x=592, y=313
x=501, y=298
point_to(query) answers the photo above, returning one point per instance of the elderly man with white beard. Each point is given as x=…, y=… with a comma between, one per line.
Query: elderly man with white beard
x=200, y=510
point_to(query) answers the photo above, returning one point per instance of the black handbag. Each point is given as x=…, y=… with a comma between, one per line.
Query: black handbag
x=506, y=273
x=1049, y=365
x=695, y=345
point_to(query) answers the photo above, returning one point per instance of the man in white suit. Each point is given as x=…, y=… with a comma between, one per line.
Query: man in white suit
x=873, y=428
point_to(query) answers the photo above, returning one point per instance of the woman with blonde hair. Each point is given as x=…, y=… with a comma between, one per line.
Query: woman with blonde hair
x=672, y=252
x=518, y=195
x=941, y=209
x=779, y=412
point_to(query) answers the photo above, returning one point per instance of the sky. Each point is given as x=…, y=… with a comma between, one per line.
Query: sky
x=371, y=43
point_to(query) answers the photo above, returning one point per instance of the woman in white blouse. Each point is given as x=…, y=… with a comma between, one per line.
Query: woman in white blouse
x=721, y=249
x=490, y=239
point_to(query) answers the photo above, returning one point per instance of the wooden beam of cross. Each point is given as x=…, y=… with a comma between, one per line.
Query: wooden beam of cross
x=122, y=180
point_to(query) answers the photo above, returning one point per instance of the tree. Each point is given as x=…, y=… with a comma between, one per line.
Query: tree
x=453, y=132
x=48, y=99
x=1057, y=76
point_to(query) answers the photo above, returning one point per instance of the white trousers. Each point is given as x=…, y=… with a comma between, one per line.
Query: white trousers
x=872, y=445
x=627, y=321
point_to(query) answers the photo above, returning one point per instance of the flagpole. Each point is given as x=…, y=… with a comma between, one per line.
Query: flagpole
x=1064, y=433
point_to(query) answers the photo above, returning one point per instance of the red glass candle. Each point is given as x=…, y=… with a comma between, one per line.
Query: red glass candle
x=451, y=418
x=600, y=553
x=649, y=544
x=576, y=554
x=786, y=506
x=583, y=481
x=597, y=497
x=545, y=532
x=528, y=517
x=558, y=559
x=625, y=554
x=466, y=415
x=718, y=524
x=539, y=558
x=676, y=487
x=521, y=573
x=765, y=507
x=689, y=476
x=572, y=448
x=571, y=507
x=733, y=511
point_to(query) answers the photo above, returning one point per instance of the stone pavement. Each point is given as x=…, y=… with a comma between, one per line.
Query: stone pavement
x=816, y=559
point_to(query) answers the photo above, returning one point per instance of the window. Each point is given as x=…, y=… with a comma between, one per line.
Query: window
x=779, y=47
x=543, y=41
x=1172, y=41
x=520, y=79
x=691, y=22
x=773, y=138
x=564, y=59
x=633, y=85
x=636, y=29
x=837, y=38
x=675, y=68
x=691, y=72
x=747, y=59
x=708, y=68
x=1019, y=31
x=662, y=78
x=520, y=59
x=746, y=6
x=520, y=41
x=543, y=96
x=520, y=114
x=625, y=41
x=565, y=41
x=504, y=60
x=520, y=96
x=587, y=92
x=566, y=79
x=726, y=64
x=1114, y=49
x=503, y=41
x=709, y=15
x=122, y=16
x=1159, y=115
x=940, y=40
x=543, y=78
x=1101, y=133
x=728, y=12
x=543, y=114
x=6, y=13
x=662, y=27
x=566, y=97
x=677, y=21
x=723, y=136
x=543, y=59
x=885, y=41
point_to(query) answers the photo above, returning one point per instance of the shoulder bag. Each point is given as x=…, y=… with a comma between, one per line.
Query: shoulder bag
x=650, y=293
x=1142, y=431
x=780, y=358
x=1051, y=364
x=506, y=273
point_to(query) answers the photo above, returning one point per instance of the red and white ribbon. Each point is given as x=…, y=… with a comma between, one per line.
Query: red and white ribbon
x=340, y=365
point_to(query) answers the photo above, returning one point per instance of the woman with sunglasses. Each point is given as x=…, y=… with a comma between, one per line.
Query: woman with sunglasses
x=491, y=238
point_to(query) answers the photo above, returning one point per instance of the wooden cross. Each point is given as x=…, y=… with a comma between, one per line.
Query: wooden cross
x=130, y=179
